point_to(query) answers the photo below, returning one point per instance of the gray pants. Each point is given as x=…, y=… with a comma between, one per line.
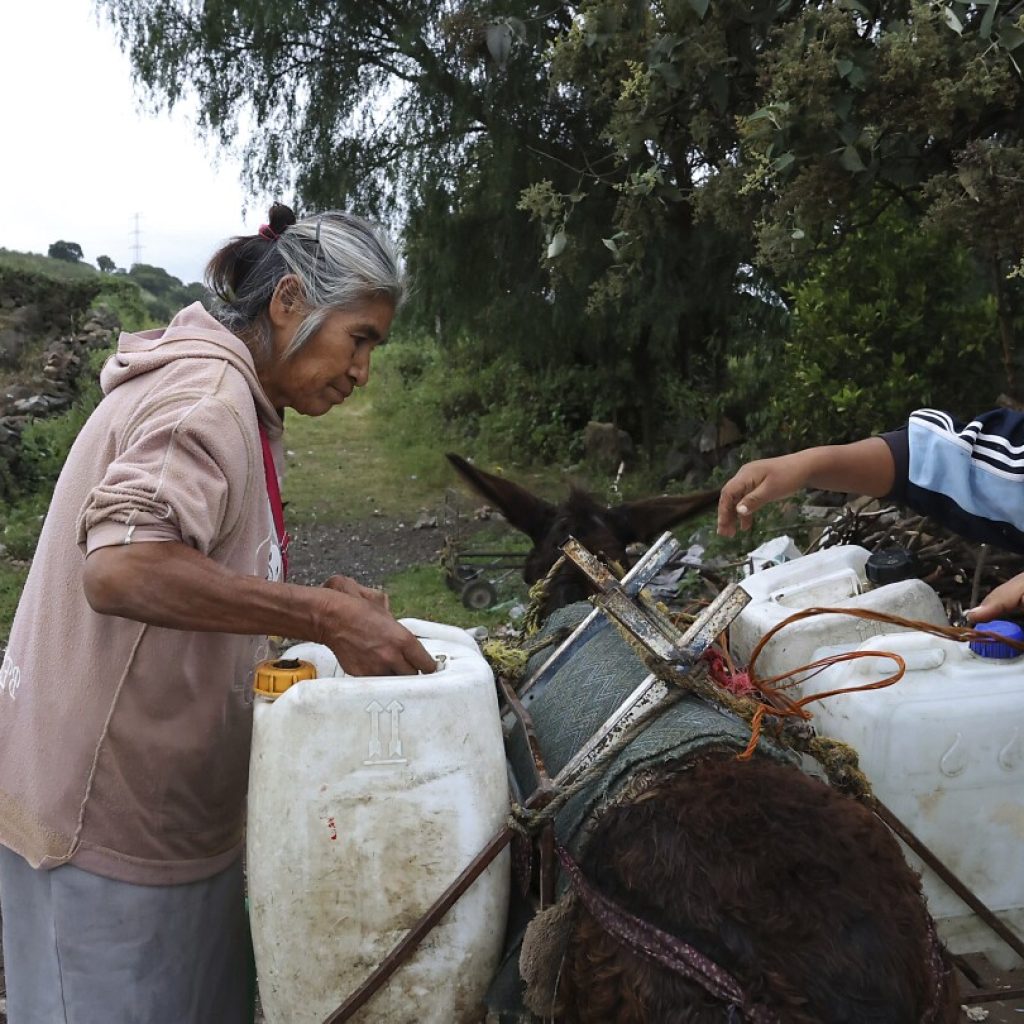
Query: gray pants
x=82, y=949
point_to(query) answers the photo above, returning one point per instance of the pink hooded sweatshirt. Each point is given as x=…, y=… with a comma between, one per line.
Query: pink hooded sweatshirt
x=124, y=747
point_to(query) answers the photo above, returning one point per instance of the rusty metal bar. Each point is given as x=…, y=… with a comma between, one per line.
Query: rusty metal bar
x=649, y=626
x=634, y=580
x=947, y=876
x=650, y=563
x=408, y=944
x=534, y=685
x=651, y=691
x=992, y=995
x=961, y=964
x=526, y=721
x=713, y=621
x=419, y=931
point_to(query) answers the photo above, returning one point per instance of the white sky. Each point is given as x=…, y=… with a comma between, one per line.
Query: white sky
x=79, y=158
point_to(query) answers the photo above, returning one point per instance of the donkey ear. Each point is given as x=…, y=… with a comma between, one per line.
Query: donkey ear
x=523, y=510
x=648, y=518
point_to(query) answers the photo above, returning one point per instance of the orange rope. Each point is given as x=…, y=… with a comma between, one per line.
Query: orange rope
x=780, y=705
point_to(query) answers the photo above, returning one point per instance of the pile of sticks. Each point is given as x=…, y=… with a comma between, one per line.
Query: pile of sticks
x=962, y=572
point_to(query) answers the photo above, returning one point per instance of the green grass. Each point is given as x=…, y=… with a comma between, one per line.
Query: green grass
x=61, y=270
x=339, y=466
x=420, y=592
x=344, y=465
x=12, y=579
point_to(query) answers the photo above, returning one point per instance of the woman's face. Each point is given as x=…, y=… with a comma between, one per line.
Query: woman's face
x=336, y=359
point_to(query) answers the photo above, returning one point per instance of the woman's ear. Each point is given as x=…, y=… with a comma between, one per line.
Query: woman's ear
x=287, y=300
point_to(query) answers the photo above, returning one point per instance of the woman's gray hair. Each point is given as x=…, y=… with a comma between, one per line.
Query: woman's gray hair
x=340, y=260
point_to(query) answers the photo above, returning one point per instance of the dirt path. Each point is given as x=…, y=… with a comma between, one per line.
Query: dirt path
x=368, y=550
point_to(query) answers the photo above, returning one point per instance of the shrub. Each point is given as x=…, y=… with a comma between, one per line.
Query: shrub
x=895, y=320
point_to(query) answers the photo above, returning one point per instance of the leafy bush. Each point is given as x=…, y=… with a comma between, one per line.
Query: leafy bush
x=23, y=523
x=125, y=298
x=45, y=444
x=894, y=320
x=162, y=293
x=431, y=395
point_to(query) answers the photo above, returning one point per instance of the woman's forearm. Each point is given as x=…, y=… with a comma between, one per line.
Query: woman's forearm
x=172, y=585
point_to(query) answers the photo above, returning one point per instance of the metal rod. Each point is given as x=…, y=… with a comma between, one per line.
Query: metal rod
x=419, y=931
x=651, y=690
x=382, y=973
x=992, y=995
x=967, y=970
x=526, y=721
x=634, y=580
x=986, y=915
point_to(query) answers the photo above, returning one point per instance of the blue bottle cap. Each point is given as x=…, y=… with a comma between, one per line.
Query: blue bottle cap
x=993, y=648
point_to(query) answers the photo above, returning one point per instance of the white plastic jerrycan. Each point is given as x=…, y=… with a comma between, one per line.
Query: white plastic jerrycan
x=367, y=798
x=833, y=577
x=944, y=750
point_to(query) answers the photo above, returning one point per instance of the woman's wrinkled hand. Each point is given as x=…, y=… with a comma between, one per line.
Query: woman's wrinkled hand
x=367, y=641
x=347, y=585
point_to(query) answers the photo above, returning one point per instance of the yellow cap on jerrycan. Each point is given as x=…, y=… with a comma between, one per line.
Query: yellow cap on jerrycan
x=272, y=678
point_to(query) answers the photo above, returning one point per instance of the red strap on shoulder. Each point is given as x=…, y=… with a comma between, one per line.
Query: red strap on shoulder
x=276, y=505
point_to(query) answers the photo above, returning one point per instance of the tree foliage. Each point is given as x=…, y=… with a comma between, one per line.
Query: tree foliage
x=70, y=252
x=636, y=188
x=162, y=292
x=911, y=99
x=843, y=376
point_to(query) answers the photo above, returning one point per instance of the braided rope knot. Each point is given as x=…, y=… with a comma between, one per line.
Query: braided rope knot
x=527, y=821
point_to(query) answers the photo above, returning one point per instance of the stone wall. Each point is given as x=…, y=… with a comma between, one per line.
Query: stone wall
x=47, y=333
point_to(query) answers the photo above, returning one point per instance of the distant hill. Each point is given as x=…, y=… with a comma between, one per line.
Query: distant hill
x=159, y=294
x=35, y=263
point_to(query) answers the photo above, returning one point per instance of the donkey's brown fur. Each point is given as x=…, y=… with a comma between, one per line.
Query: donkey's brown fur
x=799, y=892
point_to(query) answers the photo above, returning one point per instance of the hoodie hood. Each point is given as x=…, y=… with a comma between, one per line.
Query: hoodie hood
x=192, y=334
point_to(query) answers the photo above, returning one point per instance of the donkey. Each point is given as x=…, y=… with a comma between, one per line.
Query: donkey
x=721, y=890
x=607, y=532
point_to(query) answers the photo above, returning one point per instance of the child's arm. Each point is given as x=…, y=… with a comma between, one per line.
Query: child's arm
x=863, y=467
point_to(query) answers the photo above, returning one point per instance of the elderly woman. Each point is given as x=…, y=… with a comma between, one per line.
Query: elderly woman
x=125, y=712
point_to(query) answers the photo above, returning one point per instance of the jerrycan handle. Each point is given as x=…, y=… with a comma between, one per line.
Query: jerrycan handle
x=845, y=577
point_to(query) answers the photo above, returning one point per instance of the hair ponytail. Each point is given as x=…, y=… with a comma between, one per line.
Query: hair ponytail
x=339, y=260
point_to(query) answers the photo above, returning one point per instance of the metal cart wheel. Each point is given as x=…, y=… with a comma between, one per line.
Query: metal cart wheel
x=459, y=575
x=479, y=595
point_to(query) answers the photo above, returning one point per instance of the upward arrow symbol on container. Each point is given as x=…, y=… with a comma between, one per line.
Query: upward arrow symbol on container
x=395, y=746
x=375, y=754
x=375, y=708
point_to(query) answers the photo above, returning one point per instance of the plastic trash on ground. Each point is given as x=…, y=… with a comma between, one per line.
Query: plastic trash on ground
x=771, y=552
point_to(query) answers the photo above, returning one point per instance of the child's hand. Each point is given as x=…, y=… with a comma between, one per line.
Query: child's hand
x=756, y=484
x=1006, y=599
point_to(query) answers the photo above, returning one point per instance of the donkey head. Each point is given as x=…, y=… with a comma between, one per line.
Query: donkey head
x=606, y=532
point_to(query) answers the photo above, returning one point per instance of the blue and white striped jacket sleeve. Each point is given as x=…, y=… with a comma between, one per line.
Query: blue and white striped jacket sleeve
x=968, y=476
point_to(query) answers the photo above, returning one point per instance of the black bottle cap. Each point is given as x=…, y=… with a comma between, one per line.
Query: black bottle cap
x=890, y=565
